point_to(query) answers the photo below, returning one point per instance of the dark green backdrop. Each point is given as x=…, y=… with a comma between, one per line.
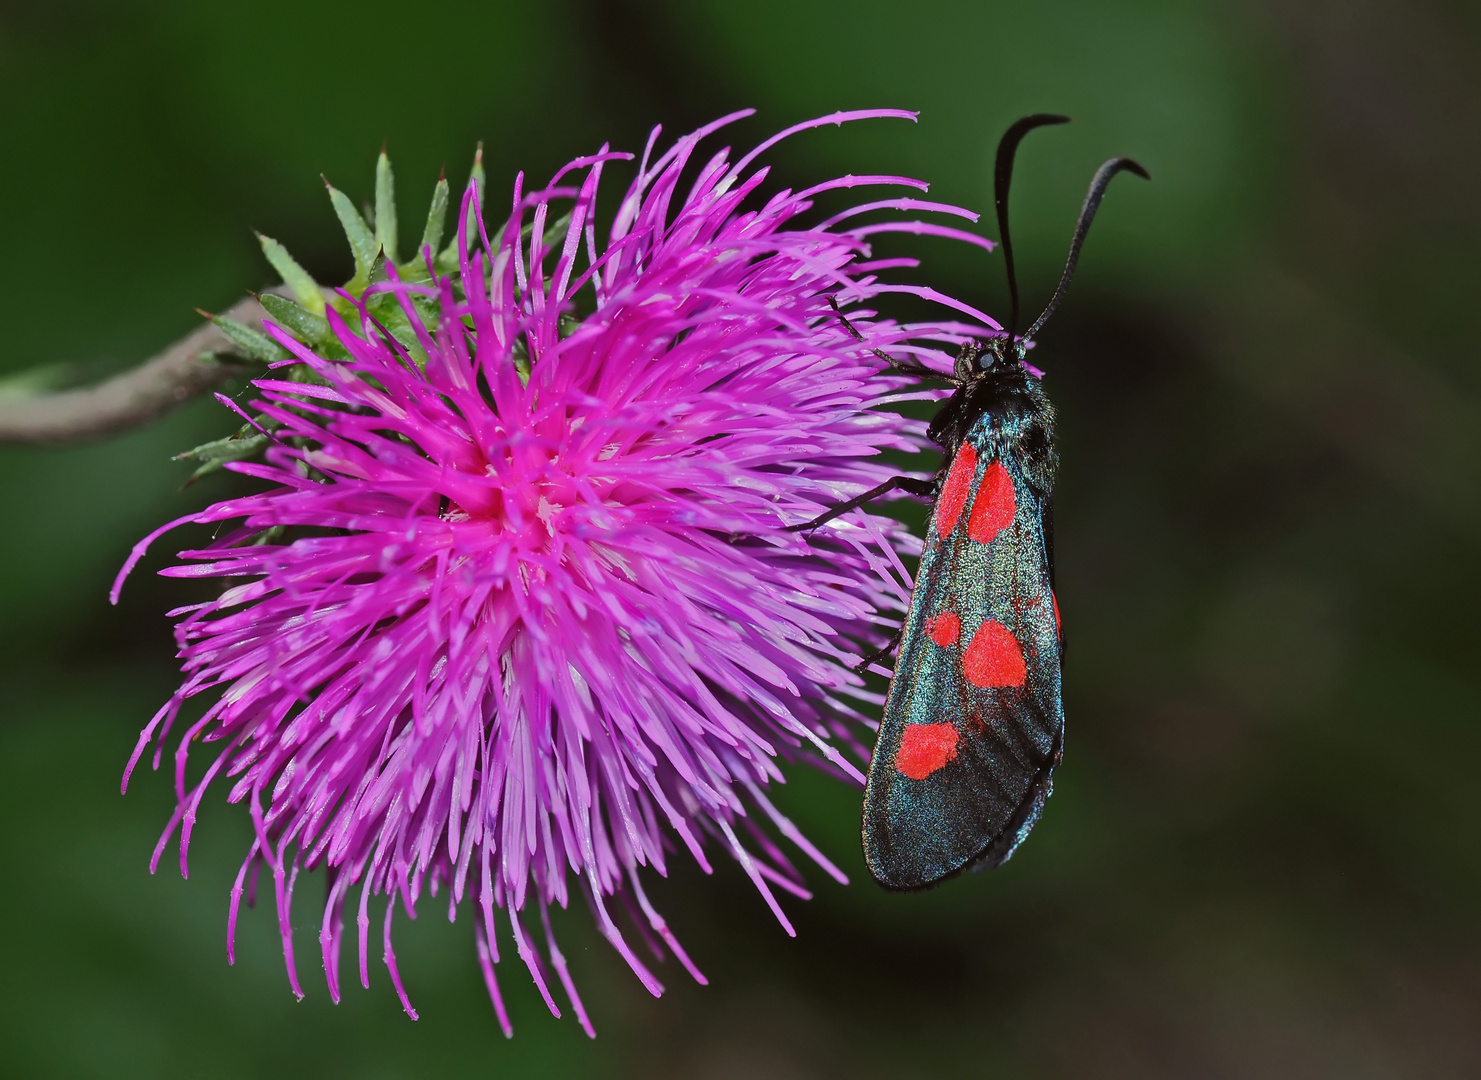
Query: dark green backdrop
x=1262, y=858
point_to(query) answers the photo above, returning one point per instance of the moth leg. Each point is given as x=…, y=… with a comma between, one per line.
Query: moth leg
x=884, y=651
x=909, y=484
x=966, y=361
x=904, y=367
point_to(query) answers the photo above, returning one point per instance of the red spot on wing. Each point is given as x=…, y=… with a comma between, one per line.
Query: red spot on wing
x=994, y=658
x=1058, y=632
x=945, y=628
x=954, y=492
x=992, y=510
x=924, y=748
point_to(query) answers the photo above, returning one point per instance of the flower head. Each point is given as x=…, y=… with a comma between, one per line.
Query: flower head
x=518, y=613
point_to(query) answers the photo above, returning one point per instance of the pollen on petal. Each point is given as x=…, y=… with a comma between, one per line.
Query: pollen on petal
x=944, y=629
x=994, y=658
x=992, y=510
x=954, y=492
x=924, y=748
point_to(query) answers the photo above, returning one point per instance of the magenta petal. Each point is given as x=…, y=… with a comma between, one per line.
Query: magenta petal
x=537, y=616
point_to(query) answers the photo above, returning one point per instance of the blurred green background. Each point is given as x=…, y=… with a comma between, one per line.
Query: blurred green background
x=1263, y=856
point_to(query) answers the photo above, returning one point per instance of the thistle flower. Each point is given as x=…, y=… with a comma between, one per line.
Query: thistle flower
x=518, y=613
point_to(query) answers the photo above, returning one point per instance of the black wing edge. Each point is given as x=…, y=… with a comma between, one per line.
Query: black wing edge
x=1000, y=848
x=1047, y=517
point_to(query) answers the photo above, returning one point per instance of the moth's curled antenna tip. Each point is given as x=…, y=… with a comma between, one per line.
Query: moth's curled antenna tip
x=1098, y=185
x=1002, y=180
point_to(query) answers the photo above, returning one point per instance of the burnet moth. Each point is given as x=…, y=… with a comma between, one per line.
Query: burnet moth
x=973, y=726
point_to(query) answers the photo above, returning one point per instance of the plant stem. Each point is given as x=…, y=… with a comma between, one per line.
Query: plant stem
x=179, y=373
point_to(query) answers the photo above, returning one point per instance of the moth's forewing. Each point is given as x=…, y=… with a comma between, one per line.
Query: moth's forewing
x=973, y=726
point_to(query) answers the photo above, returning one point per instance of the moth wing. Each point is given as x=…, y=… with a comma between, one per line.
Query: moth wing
x=974, y=725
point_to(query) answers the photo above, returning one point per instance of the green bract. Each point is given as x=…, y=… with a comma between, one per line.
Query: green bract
x=299, y=304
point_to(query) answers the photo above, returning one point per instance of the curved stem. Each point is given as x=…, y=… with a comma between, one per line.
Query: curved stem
x=185, y=369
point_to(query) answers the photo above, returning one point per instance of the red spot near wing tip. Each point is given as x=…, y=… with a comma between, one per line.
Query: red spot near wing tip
x=945, y=628
x=994, y=658
x=924, y=748
x=954, y=492
x=1058, y=630
x=993, y=509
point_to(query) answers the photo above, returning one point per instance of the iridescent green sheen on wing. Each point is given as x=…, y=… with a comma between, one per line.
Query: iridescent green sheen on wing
x=979, y=804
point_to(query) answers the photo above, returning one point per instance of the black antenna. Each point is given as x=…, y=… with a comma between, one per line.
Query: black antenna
x=1087, y=215
x=1002, y=177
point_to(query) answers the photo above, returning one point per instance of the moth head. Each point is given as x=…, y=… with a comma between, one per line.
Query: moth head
x=997, y=356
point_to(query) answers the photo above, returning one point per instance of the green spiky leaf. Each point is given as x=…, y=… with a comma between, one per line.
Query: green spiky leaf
x=450, y=254
x=254, y=344
x=378, y=271
x=294, y=276
x=476, y=174
x=362, y=241
x=436, y=220
x=248, y=442
x=385, y=206
x=301, y=323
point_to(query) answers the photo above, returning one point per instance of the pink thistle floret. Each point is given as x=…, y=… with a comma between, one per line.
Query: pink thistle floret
x=530, y=619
